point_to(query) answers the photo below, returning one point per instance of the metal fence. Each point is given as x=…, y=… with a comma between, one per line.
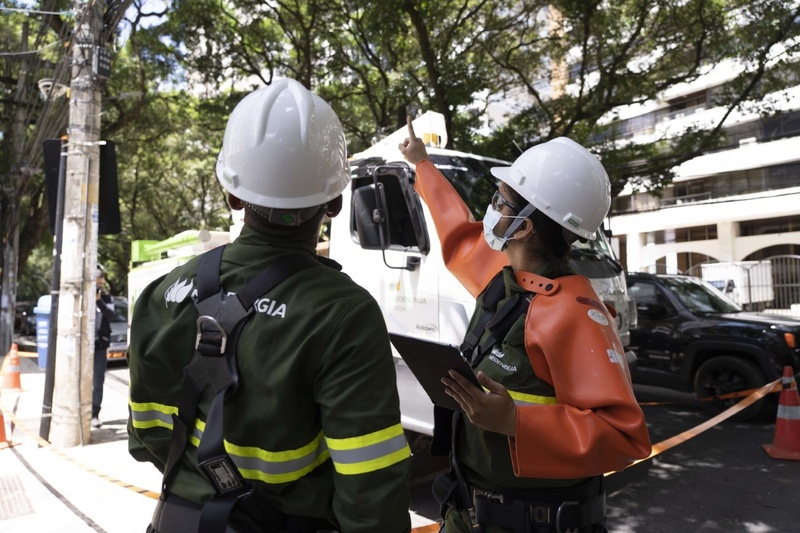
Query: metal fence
x=771, y=285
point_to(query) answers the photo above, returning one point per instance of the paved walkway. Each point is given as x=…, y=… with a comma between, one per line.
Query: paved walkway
x=95, y=487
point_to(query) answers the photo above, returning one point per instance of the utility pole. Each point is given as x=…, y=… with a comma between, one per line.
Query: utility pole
x=72, y=395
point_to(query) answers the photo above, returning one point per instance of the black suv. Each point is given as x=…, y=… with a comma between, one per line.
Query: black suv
x=691, y=337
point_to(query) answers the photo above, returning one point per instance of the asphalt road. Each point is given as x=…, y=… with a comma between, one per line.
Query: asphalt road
x=721, y=480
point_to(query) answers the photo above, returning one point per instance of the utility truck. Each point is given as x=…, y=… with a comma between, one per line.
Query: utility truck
x=385, y=240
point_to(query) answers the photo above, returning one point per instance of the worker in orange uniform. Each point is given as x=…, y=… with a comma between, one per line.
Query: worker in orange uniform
x=557, y=410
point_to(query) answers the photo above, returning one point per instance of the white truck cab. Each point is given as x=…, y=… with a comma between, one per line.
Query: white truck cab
x=385, y=240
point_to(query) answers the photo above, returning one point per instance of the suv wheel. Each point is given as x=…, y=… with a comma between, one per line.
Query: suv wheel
x=725, y=374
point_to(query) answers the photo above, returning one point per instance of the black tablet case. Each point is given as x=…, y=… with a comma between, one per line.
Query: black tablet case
x=430, y=361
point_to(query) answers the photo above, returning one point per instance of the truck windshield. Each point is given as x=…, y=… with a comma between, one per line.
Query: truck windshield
x=700, y=297
x=472, y=179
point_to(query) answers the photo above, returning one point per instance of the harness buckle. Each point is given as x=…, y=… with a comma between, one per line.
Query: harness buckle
x=558, y=514
x=225, y=477
x=205, y=319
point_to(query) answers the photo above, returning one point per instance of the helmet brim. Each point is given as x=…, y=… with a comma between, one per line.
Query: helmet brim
x=501, y=173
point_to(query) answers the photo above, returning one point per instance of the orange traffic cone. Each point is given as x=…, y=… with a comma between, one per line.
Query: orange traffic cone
x=4, y=442
x=11, y=370
x=786, y=444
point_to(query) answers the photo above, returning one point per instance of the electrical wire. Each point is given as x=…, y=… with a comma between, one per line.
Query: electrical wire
x=47, y=115
x=35, y=11
x=9, y=54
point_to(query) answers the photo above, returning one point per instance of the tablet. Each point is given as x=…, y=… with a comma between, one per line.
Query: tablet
x=430, y=361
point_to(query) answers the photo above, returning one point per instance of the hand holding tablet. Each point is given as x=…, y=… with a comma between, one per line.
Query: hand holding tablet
x=430, y=362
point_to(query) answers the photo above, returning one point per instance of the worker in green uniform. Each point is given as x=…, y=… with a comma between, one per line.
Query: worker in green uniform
x=314, y=425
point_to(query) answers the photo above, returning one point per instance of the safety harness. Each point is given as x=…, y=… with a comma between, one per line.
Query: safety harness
x=521, y=511
x=213, y=372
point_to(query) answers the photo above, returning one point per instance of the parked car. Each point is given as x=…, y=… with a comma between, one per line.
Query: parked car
x=119, y=330
x=691, y=337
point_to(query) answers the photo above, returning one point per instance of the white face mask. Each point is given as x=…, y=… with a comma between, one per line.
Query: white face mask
x=490, y=220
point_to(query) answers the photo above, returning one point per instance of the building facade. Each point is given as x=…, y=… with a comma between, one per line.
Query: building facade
x=740, y=203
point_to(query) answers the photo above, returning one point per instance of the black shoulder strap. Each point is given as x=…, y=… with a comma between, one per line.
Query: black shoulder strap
x=492, y=294
x=497, y=321
x=213, y=369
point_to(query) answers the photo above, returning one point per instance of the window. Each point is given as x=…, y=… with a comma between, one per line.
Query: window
x=769, y=226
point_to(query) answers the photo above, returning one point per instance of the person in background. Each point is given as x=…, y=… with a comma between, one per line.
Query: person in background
x=104, y=313
x=557, y=408
x=312, y=435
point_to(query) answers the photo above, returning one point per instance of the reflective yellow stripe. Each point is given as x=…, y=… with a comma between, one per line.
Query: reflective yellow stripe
x=150, y=414
x=370, y=452
x=252, y=462
x=354, y=443
x=278, y=467
x=520, y=398
x=260, y=475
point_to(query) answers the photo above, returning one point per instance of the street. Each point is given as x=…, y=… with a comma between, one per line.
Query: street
x=721, y=480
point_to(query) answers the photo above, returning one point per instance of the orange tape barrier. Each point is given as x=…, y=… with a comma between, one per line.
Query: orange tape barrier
x=671, y=442
x=727, y=396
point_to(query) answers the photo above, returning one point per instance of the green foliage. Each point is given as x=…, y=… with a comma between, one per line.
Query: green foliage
x=506, y=74
x=167, y=143
x=36, y=279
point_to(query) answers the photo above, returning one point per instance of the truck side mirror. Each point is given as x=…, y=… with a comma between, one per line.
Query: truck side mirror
x=386, y=212
x=373, y=222
x=369, y=212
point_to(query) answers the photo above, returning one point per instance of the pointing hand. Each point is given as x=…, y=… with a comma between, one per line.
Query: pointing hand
x=413, y=149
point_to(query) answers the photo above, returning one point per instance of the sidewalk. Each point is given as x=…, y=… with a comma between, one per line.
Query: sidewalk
x=96, y=487
x=91, y=488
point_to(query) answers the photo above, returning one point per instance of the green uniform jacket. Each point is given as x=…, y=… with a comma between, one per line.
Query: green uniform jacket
x=484, y=454
x=315, y=423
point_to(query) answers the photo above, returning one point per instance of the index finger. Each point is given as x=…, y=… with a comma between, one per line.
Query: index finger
x=411, y=134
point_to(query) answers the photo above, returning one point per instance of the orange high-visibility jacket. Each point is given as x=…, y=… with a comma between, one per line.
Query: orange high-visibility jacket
x=572, y=342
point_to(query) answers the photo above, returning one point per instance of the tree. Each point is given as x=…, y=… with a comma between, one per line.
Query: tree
x=623, y=53
x=559, y=68
x=33, y=69
x=167, y=143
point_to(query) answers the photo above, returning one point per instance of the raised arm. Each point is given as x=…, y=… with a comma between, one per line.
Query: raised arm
x=464, y=250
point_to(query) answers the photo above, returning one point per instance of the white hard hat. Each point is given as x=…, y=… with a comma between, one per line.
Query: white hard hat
x=284, y=148
x=564, y=181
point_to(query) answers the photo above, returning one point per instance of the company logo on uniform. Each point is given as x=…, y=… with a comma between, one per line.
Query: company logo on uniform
x=427, y=328
x=495, y=357
x=270, y=307
x=178, y=291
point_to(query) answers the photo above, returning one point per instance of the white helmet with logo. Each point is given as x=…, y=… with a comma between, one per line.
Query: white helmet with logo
x=564, y=181
x=284, y=148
